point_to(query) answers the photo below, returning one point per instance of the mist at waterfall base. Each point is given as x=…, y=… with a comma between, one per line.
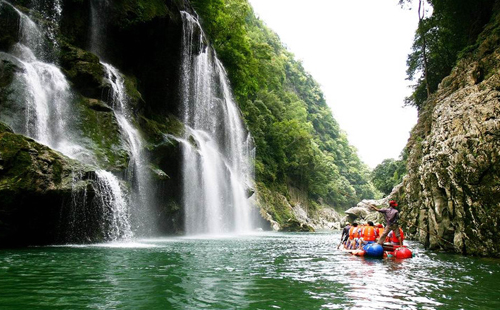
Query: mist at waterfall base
x=265, y=271
x=217, y=150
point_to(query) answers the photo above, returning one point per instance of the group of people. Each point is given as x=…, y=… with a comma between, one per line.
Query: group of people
x=356, y=236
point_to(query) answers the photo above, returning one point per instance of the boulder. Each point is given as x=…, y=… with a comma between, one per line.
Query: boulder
x=85, y=71
x=324, y=218
x=43, y=194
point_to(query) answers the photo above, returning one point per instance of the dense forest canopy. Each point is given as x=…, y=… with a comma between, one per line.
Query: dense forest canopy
x=442, y=37
x=298, y=141
x=388, y=174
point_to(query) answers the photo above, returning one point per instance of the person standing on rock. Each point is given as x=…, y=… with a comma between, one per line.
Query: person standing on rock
x=391, y=215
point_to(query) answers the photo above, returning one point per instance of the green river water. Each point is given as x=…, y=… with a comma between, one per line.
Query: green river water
x=262, y=271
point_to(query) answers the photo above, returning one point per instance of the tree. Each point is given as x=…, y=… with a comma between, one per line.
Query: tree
x=388, y=174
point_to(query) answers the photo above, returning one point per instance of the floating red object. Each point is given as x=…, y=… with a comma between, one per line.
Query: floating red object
x=402, y=252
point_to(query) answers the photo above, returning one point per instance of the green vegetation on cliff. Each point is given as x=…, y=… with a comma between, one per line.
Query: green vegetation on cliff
x=441, y=39
x=298, y=142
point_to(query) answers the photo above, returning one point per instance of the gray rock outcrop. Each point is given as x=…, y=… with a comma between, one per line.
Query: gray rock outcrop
x=362, y=212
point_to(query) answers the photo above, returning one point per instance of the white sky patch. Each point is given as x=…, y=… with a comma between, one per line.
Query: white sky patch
x=356, y=50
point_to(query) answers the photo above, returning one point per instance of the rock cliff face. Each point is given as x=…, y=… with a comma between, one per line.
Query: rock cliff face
x=451, y=195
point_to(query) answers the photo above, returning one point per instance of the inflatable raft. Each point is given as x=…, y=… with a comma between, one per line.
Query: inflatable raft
x=386, y=251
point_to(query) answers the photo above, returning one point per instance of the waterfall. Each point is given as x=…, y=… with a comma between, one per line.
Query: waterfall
x=142, y=194
x=98, y=17
x=217, y=150
x=115, y=209
x=43, y=91
x=138, y=169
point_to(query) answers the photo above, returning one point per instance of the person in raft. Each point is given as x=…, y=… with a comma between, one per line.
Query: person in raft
x=353, y=232
x=393, y=239
x=391, y=215
x=345, y=234
x=368, y=234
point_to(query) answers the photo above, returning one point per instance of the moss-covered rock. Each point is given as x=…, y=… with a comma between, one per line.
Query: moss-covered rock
x=5, y=128
x=165, y=156
x=276, y=205
x=156, y=129
x=84, y=70
x=7, y=70
x=39, y=195
x=12, y=103
x=133, y=95
x=96, y=105
x=127, y=13
x=99, y=125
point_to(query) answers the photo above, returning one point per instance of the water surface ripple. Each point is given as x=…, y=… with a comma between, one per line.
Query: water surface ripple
x=263, y=271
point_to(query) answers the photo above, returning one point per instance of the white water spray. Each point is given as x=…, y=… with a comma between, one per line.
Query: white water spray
x=114, y=206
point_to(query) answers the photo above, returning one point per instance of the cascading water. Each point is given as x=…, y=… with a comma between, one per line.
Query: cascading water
x=142, y=192
x=51, y=10
x=44, y=89
x=217, y=150
x=142, y=196
x=46, y=97
x=114, y=206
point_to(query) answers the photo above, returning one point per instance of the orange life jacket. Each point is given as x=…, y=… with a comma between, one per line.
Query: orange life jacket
x=351, y=232
x=369, y=233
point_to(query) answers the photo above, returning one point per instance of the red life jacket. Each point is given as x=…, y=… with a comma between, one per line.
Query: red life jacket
x=394, y=238
x=380, y=231
x=358, y=232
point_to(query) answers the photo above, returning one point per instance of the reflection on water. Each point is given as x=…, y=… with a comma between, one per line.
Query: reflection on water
x=265, y=271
